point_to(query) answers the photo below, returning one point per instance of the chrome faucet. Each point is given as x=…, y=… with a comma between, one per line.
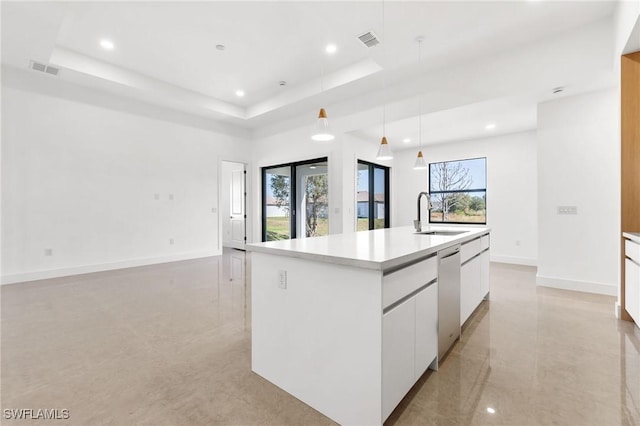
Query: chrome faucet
x=416, y=223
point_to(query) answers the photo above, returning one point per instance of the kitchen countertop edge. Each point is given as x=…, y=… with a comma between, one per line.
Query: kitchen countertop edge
x=380, y=265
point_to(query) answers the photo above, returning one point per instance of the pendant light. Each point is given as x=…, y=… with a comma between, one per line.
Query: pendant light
x=321, y=131
x=420, y=163
x=384, y=151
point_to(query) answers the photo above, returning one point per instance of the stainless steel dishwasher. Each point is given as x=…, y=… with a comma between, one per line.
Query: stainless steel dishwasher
x=448, y=298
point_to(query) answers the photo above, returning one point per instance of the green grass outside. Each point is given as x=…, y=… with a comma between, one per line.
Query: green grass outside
x=363, y=224
x=278, y=228
x=478, y=217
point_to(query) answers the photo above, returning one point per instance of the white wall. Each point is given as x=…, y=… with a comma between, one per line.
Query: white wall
x=81, y=180
x=579, y=165
x=625, y=20
x=511, y=190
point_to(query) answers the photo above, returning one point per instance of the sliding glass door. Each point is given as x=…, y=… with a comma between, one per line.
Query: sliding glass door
x=372, y=205
x=295, y=200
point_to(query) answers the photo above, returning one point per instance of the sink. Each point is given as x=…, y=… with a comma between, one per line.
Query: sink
x=445, y=233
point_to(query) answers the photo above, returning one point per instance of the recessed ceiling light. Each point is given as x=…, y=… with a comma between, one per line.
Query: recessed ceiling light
x=239, y=93
x=406, y=140
x=490, y=126
x=220, y=46
x=331, y=48
x=107, y=44
x=491, y=410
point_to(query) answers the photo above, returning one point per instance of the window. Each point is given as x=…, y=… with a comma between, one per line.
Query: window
x=372, y=197
x=295, y=200
x=458, y=191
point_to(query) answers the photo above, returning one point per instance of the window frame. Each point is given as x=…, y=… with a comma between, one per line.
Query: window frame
x=371, y=187
x=458, y=191
x=293, y=191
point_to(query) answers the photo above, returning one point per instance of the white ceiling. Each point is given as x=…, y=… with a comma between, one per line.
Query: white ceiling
x=506, y=115
x=165, y=52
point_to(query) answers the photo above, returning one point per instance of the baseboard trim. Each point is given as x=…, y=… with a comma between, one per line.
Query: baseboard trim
x=101, y=267
x=527, y=261
x=576, y=285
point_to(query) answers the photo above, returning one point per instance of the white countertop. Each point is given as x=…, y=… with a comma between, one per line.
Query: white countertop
x=633, y=236
x=379, y=249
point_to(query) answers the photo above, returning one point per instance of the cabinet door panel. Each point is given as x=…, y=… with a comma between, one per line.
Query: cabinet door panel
x=398, y=352
x=484, y=274
x=469, y=288
x=426, y=328
x=632, y=289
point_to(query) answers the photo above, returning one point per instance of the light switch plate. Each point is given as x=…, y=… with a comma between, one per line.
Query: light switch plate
x=567, y=210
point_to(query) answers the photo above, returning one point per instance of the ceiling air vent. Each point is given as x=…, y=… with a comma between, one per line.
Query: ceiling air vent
x=369, y=39
x=47, y=69
x=51, y=70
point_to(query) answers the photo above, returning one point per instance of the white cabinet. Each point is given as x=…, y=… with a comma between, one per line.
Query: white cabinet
x=426, y=328
x=398, y=353
x=632, y=289
x=409, y=344
x=484, y=274
x=474, y=275
x=632, y=279
x=469, y=287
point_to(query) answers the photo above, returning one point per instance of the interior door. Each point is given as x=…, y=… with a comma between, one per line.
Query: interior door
x=238, y=209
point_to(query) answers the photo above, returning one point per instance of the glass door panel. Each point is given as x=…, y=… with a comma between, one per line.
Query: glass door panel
x=379, y=198
x=277, y=203
x=362, y=197
x=312, y=185
x=372, y=205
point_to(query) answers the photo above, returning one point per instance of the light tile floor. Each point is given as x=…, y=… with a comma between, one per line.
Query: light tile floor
x=171, y=345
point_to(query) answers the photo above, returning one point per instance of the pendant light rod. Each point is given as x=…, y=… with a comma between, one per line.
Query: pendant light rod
x=420, y=163
x=384, y=151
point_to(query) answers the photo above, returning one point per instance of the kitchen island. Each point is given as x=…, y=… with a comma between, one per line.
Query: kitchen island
x=347, y=323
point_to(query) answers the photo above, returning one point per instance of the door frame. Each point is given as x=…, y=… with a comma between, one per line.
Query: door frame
x=247, y=200
x=293, y=225
x=371, y=189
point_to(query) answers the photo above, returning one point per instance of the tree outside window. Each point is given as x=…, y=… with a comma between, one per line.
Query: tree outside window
x=458, y=191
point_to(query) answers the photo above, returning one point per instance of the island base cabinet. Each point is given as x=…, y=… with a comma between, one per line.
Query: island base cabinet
x=470, y=287
x=474, y=284
x=485, y=263
x=632, y=289
x=409, y=345
x=398, y=347
x=426, y=329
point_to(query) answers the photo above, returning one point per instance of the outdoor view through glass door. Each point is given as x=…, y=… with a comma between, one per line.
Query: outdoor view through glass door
x=372, y=203
x=295, y=200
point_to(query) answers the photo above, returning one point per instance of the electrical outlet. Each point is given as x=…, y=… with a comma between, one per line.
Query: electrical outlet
x=170, y=240
x=48, y=252
x=282, y=279
x=156, y=196
x=336, y=210
x=214, y=210
x=171, y=197
x=518, y=243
